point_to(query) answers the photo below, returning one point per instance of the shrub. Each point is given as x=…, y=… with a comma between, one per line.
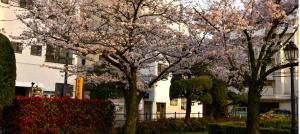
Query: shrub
x=197, y=125
x=239, y=128
x=58, y=115
x=275, y=121
x=171, y=126
x=7, y=71
x=226, y=129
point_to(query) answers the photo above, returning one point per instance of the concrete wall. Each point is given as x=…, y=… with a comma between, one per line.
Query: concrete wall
x=29, y=67
x=160, y=94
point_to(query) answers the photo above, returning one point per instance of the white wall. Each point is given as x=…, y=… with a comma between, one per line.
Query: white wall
x=28, y=66
x=160, y=94
x=285, y=105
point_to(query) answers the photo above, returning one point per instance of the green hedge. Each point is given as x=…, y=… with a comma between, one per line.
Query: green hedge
x=275, y=121
x=172, y=126
x=227, y=128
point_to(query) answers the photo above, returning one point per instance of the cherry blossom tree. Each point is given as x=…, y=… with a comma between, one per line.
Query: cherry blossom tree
x=246, y=35
x=129, y=36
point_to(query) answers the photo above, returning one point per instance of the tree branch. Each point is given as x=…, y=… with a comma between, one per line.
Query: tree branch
x=206, y=20
x=275, y=68
x=251, y=53
x=292, y=10
x=292, y=35
x=116, y=64
x=152, y=82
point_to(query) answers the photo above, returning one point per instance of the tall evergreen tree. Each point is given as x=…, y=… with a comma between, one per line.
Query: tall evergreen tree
x=190, y=89
x=7, y=71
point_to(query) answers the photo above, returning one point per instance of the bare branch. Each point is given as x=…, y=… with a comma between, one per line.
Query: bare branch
x=275, y=68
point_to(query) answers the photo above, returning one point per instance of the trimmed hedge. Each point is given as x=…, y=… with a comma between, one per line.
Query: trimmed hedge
x=275, y=121
x=173, y=126
x=7, y=71
x=224, y=128
x=37, y=115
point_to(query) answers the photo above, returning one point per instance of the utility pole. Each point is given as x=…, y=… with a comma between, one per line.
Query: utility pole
x=63, y=93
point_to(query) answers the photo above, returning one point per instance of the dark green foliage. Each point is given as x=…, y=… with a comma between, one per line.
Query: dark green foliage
x=195, y=86
x=275, y=121
x=206, y=98
x=172, y=126
x=192, y=89
x=274, y=131
x=237, y=98
x=210, y=91
x=231, y=128
x=219, y=95
x=226, y=129
x=110, y=90
x=219, y=92
x=7, y=71
x=200, y=69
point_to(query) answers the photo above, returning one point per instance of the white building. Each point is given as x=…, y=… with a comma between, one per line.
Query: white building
x=277, y=93
x=159, y=105
x=278, y=86
x=31, y=59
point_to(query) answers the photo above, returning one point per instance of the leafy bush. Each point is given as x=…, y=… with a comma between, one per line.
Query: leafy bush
x=58, y=115
x=226, y=129
x=239, y=128
x=171, y=126
x=275, y=121
x=7, y=71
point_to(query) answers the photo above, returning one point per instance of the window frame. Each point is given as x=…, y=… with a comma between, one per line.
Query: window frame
x=36, y=50
x=174, y=102
x=59, y=88
x=17, y=46
x=26, y=4
x=161, y=67
x=270, y=83
x=5, y=1
x=57, y=55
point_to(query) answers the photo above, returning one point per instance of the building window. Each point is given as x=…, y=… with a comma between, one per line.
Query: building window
x=174, y=102
x=4, y=1
x=59, y=88
x=36, y=50
x=17, y=46
x=161, y=67
x=26, y=3
x=57, y=55
x=270, y=83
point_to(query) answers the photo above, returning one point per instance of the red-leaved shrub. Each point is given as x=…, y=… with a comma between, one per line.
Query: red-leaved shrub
x=35, y=115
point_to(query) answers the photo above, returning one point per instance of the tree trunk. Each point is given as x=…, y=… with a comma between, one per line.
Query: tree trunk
x=188, y=108
x=220, y=111
x=131, y=102
x=253, y=111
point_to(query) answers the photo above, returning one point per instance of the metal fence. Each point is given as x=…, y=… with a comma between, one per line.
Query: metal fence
x=120, y=117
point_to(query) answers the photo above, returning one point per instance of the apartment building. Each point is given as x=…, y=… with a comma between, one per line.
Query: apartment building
x=156, y=104
x=277, y=90
x=159, y=105
x=35, y=63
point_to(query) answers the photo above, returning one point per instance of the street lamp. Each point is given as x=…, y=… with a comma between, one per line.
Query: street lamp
x=291, y=55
